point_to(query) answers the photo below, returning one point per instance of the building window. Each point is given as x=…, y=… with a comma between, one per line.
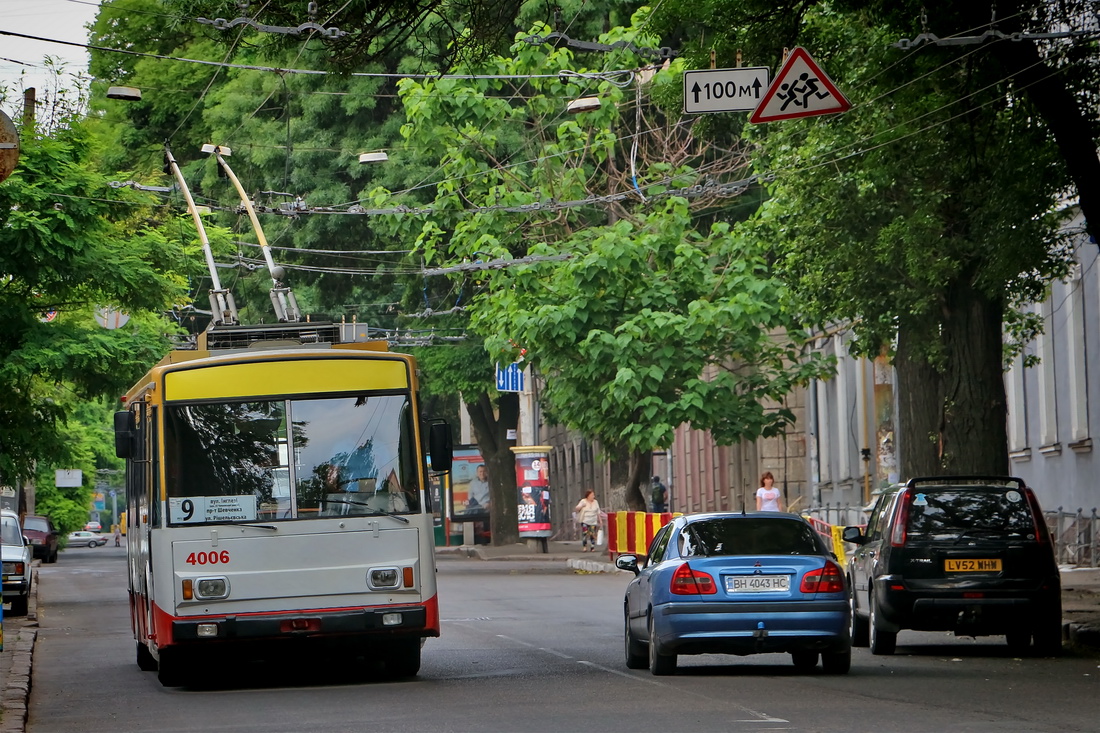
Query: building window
x=1075, y=355
x=1046, y=376
x=1017, y=410
x=843, y=425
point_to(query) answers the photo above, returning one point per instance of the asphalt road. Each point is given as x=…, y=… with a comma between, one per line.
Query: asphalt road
x=527, y=646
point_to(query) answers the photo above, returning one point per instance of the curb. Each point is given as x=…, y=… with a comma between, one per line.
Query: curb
x=592, y=566
x=574, y=563
x=1081, y=635
x=16, y=692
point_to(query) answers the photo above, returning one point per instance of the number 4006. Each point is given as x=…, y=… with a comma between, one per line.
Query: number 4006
x=208, y=558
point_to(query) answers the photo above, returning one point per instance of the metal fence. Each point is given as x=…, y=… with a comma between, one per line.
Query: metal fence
x=1076, y=535
x=845, y=515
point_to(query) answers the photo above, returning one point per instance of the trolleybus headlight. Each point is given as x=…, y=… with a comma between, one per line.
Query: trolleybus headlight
x=380, y=578
x=206, y=630
x=391, y=619
x=211, y=588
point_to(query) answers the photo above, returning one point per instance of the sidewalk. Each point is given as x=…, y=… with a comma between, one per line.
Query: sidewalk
x=1080, y=611
x=1081, y=607
x=568, y=552
x=20, y=634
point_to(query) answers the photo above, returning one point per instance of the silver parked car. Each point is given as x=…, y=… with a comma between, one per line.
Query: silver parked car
x=16, y=557
x=86, y=539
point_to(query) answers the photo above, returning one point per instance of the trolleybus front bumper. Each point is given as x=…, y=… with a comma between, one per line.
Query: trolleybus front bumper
x=387, y=620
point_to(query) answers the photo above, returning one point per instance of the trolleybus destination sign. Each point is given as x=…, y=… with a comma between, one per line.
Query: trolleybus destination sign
x=202, y=509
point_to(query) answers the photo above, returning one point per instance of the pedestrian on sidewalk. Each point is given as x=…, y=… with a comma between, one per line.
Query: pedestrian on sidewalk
x=118, y=536
x=768, y=497
x=658, y=496
x=588, y=514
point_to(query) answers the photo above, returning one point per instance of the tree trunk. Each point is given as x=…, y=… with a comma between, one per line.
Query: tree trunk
x=975, y=406
x=491, y=432
x=641, y=468
x=920, y=396
x=628, y=473
x=953, y=418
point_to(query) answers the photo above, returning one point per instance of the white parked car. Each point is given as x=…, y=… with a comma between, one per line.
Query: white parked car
x=86, y=539
x=16, y=557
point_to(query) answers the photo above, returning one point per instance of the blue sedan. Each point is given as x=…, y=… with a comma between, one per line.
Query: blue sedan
x=737, y=584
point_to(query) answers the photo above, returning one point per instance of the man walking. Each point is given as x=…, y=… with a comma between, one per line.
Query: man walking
x=659, y=496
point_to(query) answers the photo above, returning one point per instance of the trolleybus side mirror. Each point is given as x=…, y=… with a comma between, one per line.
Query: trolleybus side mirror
x=439, y=446
x=124, y=434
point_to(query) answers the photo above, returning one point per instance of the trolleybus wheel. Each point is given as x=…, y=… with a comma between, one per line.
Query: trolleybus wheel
x=403, y=659
x=145, y=660
x=174, y=669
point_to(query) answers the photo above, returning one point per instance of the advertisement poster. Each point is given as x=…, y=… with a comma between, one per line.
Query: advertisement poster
x=533, y=484
x=469, y=487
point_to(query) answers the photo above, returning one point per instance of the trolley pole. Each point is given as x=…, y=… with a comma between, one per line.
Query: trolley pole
x=286, y=307
x=221, y=300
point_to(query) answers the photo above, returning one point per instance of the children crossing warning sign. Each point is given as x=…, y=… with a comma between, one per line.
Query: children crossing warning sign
x=800, y=89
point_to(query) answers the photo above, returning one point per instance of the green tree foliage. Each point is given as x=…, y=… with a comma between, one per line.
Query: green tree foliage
x=298, y=134
x=485, y=142
x=89, y=442
x=652, y=324
x=369, y=31
x=69, y=243
x=295, y=139
x=919, y=217
x=647, y=324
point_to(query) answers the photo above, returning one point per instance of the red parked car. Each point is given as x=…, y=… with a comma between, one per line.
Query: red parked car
x=43, y=537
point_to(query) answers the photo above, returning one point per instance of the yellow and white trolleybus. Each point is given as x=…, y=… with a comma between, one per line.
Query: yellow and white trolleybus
x=277, y=494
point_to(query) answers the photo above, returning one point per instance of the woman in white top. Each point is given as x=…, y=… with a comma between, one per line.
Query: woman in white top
x=767, y=496
x=588, y=514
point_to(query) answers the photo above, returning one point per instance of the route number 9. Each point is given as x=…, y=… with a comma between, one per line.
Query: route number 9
x=188, y=508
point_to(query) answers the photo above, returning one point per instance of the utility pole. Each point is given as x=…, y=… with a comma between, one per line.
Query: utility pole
x=29, y=102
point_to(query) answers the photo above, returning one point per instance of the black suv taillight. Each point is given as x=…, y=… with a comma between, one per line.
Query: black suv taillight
x=1041, y=534
x=897, y=536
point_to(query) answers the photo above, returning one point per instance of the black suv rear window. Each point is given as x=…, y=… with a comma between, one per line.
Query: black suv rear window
x=958, y=513
x=749, y=536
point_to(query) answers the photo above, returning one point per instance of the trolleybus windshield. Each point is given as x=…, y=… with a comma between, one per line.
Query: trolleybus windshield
x=283, y=459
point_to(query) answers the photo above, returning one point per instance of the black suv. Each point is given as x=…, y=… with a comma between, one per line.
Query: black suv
x=969, y=554
x=42, y=536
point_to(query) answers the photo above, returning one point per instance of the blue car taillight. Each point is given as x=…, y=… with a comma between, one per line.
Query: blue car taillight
x=827, y=579
x=688, y=582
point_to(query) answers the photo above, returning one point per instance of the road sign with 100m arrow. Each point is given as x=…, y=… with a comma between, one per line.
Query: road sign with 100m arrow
x=724, y=90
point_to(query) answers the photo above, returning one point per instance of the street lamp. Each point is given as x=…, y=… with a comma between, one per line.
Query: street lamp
x=378, y=157
x=131, y=94
x=584, y=104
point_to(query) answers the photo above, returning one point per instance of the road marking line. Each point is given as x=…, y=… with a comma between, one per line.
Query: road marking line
x=532, y=646
x=759, y=717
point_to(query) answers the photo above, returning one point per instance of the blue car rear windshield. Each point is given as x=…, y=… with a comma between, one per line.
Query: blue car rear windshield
x=749, y=536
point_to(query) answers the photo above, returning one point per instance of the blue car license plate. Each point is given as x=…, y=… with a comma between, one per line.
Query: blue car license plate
x=757, y=583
